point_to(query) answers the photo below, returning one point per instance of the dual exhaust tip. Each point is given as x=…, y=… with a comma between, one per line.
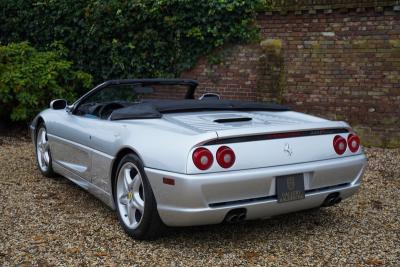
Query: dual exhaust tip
x=236, y=215
x=239, y=215
x=332, y=199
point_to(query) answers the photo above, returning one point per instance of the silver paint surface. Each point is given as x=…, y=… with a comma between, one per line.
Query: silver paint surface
x=84, y=150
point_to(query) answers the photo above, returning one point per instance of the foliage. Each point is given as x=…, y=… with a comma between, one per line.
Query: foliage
x=29, y=79
x=121, y=39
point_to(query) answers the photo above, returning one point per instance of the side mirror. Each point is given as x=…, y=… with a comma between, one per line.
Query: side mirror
x=58, y=104
x=207, y=96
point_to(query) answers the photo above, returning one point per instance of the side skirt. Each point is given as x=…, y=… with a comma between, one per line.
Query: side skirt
x=91, y=188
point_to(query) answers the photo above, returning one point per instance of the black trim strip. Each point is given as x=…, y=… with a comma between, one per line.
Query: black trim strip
x=260, y=137
x=239, y=119
x=266, y=198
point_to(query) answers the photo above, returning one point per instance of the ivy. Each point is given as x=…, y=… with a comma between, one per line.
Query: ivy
x=126, y=39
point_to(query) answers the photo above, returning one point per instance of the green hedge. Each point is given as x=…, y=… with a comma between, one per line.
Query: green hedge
x=120, y=38
x=29, y=79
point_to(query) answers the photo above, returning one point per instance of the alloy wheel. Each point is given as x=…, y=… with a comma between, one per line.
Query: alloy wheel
x=130, y=195
x=43, y=150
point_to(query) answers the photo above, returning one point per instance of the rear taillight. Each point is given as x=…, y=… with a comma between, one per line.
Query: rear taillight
x=202, y=158
x=353, y=142
x=225, y=157
x=339, y=144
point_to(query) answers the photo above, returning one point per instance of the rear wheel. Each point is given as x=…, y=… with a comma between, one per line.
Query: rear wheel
x=134, y=200
x=43, y=155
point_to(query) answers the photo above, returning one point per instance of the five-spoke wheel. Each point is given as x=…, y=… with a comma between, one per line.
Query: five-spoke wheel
x=130, y=195
x=134, y=200
x=42, y=149
x=43, y=154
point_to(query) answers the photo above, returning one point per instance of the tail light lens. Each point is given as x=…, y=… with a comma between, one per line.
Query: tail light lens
x=225, y=157
x=339, y=144
x=353, y=142
x=202, y=158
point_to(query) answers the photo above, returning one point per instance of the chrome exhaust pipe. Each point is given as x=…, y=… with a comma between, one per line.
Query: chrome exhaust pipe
x=331, y=200
x=241, y=217
x=235, y=215
x=231, y=218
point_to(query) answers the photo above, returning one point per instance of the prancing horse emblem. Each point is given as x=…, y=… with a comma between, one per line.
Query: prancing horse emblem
x=291, y=184
x=288, y=149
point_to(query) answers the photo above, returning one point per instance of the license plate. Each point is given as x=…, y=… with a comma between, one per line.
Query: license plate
x=290, y=187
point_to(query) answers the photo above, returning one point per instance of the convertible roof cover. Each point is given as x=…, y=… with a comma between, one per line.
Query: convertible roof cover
x=155, y=108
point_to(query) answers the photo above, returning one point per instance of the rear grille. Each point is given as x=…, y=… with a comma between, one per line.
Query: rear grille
x=271, y=136
x=267, y=198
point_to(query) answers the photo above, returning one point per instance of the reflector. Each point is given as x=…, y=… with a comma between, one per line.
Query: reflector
x=169, y=181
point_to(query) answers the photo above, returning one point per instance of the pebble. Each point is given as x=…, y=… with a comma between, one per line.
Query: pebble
x=51, y=222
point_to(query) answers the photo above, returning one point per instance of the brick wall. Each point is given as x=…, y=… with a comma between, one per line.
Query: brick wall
x=341, y=64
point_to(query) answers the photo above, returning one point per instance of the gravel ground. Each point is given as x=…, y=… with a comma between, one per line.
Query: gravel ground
x=46, y=222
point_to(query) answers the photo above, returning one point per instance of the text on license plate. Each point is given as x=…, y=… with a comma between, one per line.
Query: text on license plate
x=290, y=187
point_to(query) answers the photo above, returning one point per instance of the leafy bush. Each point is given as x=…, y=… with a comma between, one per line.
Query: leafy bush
x=29, y=79
x=142, y=38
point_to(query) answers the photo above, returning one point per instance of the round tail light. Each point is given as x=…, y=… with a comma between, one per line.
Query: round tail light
x=339, y=144
x=202, y=158
x=225, y=157
x=353, y=142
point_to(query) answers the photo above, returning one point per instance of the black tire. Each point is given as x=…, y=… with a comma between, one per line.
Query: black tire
x=150, y=225
x=48, y=172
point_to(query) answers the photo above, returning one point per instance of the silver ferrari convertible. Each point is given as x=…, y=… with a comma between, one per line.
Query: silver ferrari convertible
x=160, y=156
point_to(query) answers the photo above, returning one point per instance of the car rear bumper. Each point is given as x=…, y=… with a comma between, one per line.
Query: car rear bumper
x=207, y=198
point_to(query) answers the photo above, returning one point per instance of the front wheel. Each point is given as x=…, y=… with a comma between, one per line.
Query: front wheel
x=134, y=200
x=43, y=155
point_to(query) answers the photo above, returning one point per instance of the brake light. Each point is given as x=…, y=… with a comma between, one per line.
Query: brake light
x=339, y=144
x=202, y=158
x=353, y=142
x=225, y=157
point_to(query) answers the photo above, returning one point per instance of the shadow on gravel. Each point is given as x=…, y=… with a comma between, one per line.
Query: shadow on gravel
x=305, y=223
x=272, y=229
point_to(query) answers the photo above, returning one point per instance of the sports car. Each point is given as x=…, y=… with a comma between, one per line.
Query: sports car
x=160, y=155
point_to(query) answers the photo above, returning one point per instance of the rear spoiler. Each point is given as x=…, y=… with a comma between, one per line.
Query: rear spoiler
x=279, y=132
x=282, y=135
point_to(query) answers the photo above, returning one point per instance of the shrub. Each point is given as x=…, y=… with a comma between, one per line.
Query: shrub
x=126, y=39
x=29, y=79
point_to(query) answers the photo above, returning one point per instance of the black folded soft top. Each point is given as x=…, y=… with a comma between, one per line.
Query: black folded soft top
x=151, y=109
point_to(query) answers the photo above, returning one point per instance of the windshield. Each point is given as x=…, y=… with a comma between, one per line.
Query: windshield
x=135, y=93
